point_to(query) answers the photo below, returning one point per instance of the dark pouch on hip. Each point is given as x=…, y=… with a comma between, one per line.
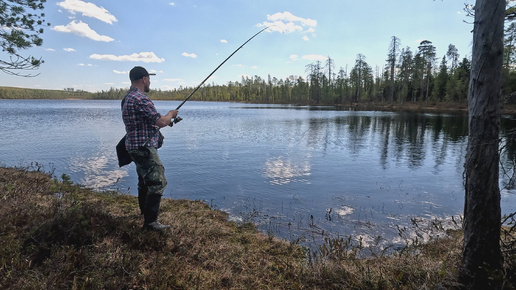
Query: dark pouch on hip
x=121, y=152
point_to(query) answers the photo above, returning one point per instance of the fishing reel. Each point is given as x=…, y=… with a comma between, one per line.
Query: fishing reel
x=176, y=120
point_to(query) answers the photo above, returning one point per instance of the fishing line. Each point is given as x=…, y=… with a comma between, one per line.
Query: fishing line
x=191, y=94
x=123, y=156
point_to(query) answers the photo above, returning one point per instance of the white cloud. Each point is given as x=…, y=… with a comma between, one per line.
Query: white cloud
x=287, y=22
x=223, y=41
x=82, y=29
x=88, y=9
x=192, y=55
x=294, y=57
x=50, y=49
x=315, y=57
x=289, y=17
x=305, y=38
x=69, y=49
x=146, y=57
x=172, y=4
x=120, y=72
x=282, y=27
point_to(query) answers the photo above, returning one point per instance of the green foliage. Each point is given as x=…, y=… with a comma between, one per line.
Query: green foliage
x=21, y=26
x=22, y=93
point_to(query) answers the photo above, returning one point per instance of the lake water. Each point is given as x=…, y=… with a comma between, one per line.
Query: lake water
x=299, y=173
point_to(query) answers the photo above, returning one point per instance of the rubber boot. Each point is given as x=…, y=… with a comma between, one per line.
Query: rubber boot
x=151, y=213
x=142, y=198
x=142, y=194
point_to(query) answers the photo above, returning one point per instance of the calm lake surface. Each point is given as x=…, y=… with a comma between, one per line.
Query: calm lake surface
x=299, y=173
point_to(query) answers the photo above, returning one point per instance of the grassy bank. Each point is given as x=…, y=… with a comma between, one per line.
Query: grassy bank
x=58, y=235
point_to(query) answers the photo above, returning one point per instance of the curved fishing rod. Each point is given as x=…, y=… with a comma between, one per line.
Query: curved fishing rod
x=180, y=105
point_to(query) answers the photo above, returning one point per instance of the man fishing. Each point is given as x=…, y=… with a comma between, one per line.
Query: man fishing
x=142, y=124
x=142, y=140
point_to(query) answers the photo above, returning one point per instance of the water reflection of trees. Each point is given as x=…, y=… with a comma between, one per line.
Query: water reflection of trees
x=405, y=138
x=402, y=137
x=508, y=151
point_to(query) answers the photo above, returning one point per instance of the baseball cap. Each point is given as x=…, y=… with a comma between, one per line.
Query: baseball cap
x=139, y=72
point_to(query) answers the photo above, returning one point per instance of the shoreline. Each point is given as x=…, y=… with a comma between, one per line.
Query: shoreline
x=421, y=107
x=57, y=234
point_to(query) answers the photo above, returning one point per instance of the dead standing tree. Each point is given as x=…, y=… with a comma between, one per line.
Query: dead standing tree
x=482, y=258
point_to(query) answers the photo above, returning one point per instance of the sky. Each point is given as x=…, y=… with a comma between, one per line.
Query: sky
x=91, y=45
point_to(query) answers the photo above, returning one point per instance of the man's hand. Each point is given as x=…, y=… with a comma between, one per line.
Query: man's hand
x=173, y=113
x=166, y=120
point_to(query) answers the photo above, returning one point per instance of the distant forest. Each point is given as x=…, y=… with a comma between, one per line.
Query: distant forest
x=407, y=77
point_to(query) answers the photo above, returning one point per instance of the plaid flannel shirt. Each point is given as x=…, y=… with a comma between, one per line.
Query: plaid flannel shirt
x=140, y=116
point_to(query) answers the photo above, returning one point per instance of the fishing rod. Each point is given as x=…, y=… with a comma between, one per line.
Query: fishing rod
x=177, y=119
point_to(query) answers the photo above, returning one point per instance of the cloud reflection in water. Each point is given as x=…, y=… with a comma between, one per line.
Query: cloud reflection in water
x=98, y=171
x=281, y=171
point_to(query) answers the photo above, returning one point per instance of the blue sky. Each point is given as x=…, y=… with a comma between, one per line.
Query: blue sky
x=91, y=45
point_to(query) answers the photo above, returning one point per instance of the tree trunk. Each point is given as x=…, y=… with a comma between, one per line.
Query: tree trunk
x=482, y=258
